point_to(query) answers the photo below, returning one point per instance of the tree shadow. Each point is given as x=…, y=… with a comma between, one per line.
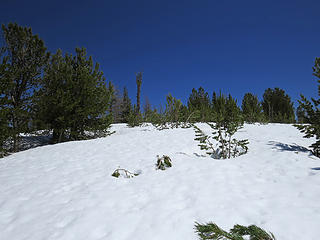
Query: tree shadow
x=28, y=142
x=199, y=155
x=288, y=147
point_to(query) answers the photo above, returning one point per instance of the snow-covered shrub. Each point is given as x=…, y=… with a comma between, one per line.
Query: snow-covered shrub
x=225, y=146
x=121, y=172
x=163, y=162
x=238, y=232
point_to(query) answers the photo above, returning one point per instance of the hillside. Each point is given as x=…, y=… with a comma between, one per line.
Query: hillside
x=65, y=191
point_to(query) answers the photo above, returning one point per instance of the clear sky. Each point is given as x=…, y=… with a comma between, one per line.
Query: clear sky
x=235, y=46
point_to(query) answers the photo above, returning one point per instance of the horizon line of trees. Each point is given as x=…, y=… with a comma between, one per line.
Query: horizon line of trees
x=275, y=107
x=68, y=95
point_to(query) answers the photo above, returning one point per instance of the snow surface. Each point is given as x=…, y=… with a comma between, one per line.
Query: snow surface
x=65, y=191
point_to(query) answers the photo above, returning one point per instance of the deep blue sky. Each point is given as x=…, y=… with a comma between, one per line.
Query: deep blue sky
x=233, y=46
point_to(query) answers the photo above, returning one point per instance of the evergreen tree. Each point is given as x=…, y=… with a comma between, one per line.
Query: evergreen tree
x=251, y=108
x=116, y=103
x=147, y=111
x=225, y=110
x=228, y=121
x=126, y=107
x=139, y=82
x=74, y=100
x=277, y=106
x=173, y=110
x=199, y=102
x=301, y=114
x=22, y=65
x=135, y=117
x=4, y=124
x=312, y=114
x=112, y=91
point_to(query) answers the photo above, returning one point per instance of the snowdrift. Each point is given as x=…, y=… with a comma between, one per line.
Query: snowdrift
x=66, y=191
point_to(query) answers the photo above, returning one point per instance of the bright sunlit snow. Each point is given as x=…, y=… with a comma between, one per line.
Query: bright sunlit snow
x=66, y=191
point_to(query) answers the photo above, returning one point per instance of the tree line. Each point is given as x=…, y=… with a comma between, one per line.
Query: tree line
x=67, y=95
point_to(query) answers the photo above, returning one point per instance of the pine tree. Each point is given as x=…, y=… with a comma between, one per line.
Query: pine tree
x=24, y=58
x=312, y=114
x=4, y=123
x=173, y=111
x=301, y=114
x=199, y=102
x=228, y=121
x=139, y=82
x=225, y=110
x=74, y=100
x=116, y=103
x=277, y=106
x=251, y=108
x=147, y=111
x=135, y=117
x=126, y=107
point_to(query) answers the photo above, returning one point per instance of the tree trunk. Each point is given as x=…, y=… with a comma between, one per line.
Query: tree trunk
x=139, y=81
x=15, y=135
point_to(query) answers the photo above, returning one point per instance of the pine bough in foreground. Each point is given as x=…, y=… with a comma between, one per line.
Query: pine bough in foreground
x=238, y=232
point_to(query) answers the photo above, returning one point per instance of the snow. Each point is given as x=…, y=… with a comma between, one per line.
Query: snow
x=66, y=191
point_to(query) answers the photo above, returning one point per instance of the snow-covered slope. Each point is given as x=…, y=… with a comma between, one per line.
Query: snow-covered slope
x=66, y=191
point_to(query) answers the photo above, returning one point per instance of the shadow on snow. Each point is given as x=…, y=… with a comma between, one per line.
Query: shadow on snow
x=288, y=147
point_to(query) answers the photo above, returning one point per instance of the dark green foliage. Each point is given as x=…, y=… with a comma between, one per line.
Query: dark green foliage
x=228, y=121
x=204, y=140
x=238, y=232
x=139, y=82
x=4, y=131
x=277, y=106
x=312, y=114
x=74, y=100
x=148, y=113
x=251, y=108
x=156, y=118
x=175, y=115
x=301, y=114
x=163, y=163
x=135, y=117
x=125, y=107
x=115, y=174
x=115, y=104
x=22, y=62
x=199, y=102
x=173, y=111
x=4, y=123
x=225, y=110
x=225, y=146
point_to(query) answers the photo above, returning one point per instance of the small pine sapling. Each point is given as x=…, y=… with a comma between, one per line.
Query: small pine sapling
x=164, y=162
x=205, y=143
x=212, y=231
x=226, y=146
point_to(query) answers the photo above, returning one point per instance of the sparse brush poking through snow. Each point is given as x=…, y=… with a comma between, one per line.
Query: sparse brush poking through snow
x=163, y=162
x=121, y=172
x=212, y=231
